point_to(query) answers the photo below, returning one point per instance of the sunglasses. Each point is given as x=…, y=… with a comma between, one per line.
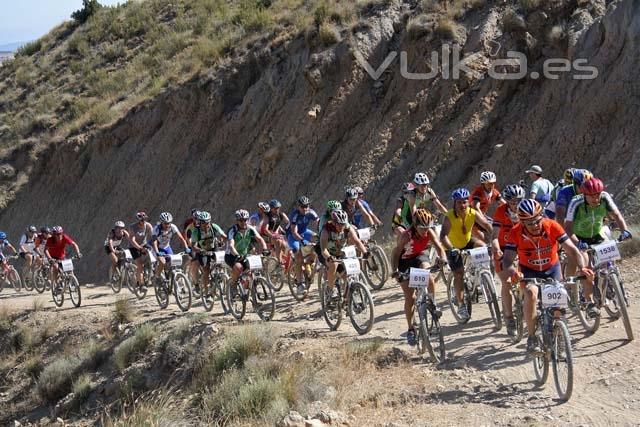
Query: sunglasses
x=242, y=220
x=304, y=206
x=422, y=227
x=533, y=222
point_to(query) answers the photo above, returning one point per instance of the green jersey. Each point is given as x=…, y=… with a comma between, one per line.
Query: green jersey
x=587, y=221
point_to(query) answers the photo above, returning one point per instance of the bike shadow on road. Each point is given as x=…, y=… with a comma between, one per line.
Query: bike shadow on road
x=580, y=352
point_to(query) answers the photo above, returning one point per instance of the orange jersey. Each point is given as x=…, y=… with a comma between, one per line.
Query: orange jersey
x=502, y=219
x=480, y=195
x=537, y=252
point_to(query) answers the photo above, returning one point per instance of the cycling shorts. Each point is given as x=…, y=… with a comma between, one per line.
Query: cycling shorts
x=295, y=244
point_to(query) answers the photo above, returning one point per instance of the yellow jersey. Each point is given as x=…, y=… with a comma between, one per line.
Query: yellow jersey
x=460, y=233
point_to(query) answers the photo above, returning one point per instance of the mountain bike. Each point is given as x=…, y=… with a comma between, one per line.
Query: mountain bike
x=477, y=279
x=27, y=273
x=9, y=275
x=173, y=280
x=66, y=282
x=375, y=268
x=126, y=274
x=277, y=272
x=349, y=293
x=517, y=297
x=40, y=276
x=251, y=285
x=429, y=334
x=553, y=335
x=217, y=279
x=309, y=269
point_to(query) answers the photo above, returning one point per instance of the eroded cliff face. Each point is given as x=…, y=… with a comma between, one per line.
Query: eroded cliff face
x=292, y=117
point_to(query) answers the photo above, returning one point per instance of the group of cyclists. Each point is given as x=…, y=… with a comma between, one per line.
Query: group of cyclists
x=525, y=231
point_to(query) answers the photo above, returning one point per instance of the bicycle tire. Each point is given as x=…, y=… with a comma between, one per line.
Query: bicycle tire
x=182, y=291
x=486, y=281
x=561, y=340
x=27, y=274
x=541, y=361
x=518, y=317
x=378, y=257
x=590, y=325
x=219, y=280
x=237, y=305
x=293, y=288
x=275, y=273
x=74, y=290
x=39, y=280
x=331, y=308
x=430, y=333
x=208, y=296
x=361, y=301
x=454, y=305
x=57, y=295
x=622, y=305
x=263, y=298
x=162, y=292
x=14, y=278
x=611, y=305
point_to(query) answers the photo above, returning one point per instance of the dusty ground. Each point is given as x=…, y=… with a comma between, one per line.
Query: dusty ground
x=486, y=381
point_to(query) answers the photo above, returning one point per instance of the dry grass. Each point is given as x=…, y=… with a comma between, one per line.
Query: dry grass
x=512, y=21
x=123, y=311
x=157, y=408
x=328, y=34
x=446, y=28
x=419, y=26
x=56, y=378
x=81, y=388
x=33, y=366
x=133, y=347
x=37, y=304
x=5, y=319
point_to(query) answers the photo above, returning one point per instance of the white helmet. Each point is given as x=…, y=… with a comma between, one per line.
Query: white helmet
x=264, y=206
x=166, y=218
x=119, y=224
x=421, y=178
x=487, y=176
x=241, y=214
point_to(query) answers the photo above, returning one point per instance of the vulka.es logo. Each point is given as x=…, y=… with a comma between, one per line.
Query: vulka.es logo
x=450, y=64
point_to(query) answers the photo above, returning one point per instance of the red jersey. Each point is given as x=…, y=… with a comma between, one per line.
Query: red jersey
x=502, y=218
x=416, y=244
x=479, y=194
x=537, y=252
x=56, y=248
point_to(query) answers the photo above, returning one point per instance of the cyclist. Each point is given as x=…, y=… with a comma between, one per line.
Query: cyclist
x=412, y=251
x=335, y=235
x=256, y=218
x=568, y=192
x=4, y=243
x=40, y=243
x=27, y=246
x=504, y=218
x=355, y=209
x=358, y=216
x=456, y=235
x=402, y=215
x=141, y=235
x=332, y=205
x=190, y=224
x=113, y=244
x=541, y=188
x=567, y=179
x=241, y=237
x=486, y=194
x=584, y=224
x=163, y=233
x=273, y=226
x=422, y=194
x=535, y=241
x=55, y=250
x=205, y=238
x=299, y=233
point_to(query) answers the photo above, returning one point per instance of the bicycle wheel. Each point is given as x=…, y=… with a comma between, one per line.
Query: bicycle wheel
x=486, y=281
x=162, y=292
x=331, y=306
x=263, y=298
x=590, y=324
x=235, y=301
x=541, y=361
x=610, y=302
x=14, y=278
x=275, y=273
x=182, y=290
x=518, y=317
x=293, y=286
x=115, y=279
x=360, y=308
x=430, y=333
x=57, y=292
x=454, y=305
x=219, y=280
x=376, y=268
x=562, y=360
x=74, y=290
x=39, y=280
x=621, y=302
x=208, y=296
x=27, y=274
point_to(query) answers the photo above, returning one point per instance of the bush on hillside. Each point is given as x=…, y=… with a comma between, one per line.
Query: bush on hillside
x=89, y=8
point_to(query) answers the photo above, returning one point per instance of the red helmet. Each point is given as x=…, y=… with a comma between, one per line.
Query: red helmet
x=592, y=186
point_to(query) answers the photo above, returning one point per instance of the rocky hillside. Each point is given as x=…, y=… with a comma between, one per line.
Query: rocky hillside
x=286, y=106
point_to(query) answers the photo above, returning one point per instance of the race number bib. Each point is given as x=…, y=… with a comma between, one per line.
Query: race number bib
x=349, y=251
x=175, y=260
x=479, y=257
x=219, y=257
x=352, y=266
x=418, y=277
x=67, y=265
x=255, y=262
x=127, y=254
x=606, y=251
x=554, y=295
x=364, y=234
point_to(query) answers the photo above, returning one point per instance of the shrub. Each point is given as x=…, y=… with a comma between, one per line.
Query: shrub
x=93, y=354
x=5, y=319
x=207, y=50
x=446, y=28
x=364, y=347
x=82, y=388
x=131, y=348
x=33, y=366
x=37, y=304
x=418, y=27
x=56, y=378
x=22, y=338
x=248, y=341
x=89, y=8
x=158, y=408
x=100, y=114
x=122, y=310
x=512, y=21
x=328, y=34
x=29, y=49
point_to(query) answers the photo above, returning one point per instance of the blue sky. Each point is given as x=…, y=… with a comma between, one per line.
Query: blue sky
x=25, y=20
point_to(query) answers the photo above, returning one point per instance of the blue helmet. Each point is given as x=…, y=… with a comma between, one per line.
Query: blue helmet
x=529, y=209
x=580, y=176
x=275, y=203
x=460, y=194
x=3, y=235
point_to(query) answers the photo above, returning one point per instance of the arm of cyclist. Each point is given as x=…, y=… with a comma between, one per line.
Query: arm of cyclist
x=354, y=239
x=483, y=223
x=444, y=234
x=495, y=244
x=401, y=242
x=437, y=244
x=324, y=244
x=576, y=256
x=438, y=204
x=616, y=216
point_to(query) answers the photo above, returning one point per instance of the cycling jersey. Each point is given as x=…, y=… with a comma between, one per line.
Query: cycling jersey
x=486, y=199
x=542, y=188
x=326, y=217
x=116, y=240
x=504, y=219
x=206, y=240
x=40, y=242
x=275, y=221
x=357, y=215
x=460, y=233
x=57, y=248
x=254, y=219
x=27, y=242
x=301, y=221
x=587, y=220
x=336, y=240
x=353, y=212
x=243, y=239
x=188, y=231
x=164, y=236
x=416, y=245
x=143, y=234
x=537, y=252
x=565, y=194
x=3, y=244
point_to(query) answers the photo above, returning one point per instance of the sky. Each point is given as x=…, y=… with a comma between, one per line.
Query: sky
x=26, y=20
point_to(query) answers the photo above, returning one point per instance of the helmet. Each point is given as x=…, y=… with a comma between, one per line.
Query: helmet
x=166, y=217
x=275, y=203
x=421, y=178
x=423, y=217
x=460, y=194
x=57, y=230
x=141, y=215
x=3, y=235
x=339, y=217
x=529, y=209
x=351, y=193
x=334, y=205
x=513, y=191
x=264, y=206
x=119, y=224
x=359, y=190
x=32, y=229
x=592, y=186
x=568, y=176
x=580, y=176
x=303, y=200
x=408, y=187
x=487, y=176
x=45, y=230
x=204, y=216
x=242, y=214
x=194, y=213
